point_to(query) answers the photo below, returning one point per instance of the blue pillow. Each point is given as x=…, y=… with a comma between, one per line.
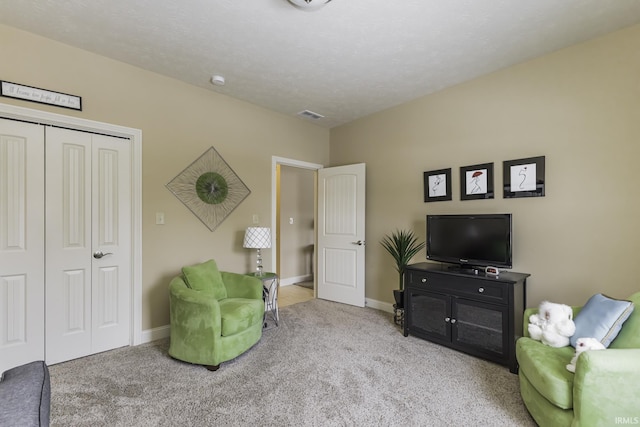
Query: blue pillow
x=601, y=318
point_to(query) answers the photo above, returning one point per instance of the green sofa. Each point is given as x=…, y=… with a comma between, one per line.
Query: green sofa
x=214, y=316
x=605, y=389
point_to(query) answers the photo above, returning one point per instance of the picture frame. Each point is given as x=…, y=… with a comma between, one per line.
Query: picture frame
x=524, y=177
x=41, y=96
x=476, y=182
x=437, y=185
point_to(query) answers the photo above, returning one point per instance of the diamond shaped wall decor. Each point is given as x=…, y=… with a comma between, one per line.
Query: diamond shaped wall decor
x=209, y=188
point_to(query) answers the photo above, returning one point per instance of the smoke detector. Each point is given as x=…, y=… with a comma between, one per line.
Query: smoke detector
x=217, y=80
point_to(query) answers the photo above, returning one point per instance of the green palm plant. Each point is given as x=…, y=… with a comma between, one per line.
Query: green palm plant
x=402, y=245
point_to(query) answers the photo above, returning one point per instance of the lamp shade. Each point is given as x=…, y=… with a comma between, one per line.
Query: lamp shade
x=257, y=238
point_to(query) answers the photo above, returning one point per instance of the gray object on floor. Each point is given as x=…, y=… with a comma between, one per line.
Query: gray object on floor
x=25, y=396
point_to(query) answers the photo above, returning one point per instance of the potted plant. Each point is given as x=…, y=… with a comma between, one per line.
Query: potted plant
x=402, y=245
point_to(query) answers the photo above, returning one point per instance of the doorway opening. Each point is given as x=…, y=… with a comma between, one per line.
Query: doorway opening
x=294, y=221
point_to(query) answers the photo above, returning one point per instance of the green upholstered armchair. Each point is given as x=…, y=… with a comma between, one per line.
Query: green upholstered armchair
x=604, y=389
x=215, y=316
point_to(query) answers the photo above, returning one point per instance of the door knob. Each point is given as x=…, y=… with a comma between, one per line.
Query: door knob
x=99, y=254
x=359, y=243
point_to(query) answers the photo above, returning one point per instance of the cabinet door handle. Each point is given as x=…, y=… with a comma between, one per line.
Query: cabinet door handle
x=481, y=290
x=447, y=319
x=424, y=280
x=453, y=321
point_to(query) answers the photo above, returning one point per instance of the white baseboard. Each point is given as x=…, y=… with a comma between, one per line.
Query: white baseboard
x=378, y=305
x=155, y=334
x=296, y=279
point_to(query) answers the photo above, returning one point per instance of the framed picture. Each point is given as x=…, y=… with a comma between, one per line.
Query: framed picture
x=476, y=182
x=437, y=185
x=42, y=96
x=523, y=177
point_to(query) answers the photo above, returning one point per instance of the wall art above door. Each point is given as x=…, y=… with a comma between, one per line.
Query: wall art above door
x=42, y=96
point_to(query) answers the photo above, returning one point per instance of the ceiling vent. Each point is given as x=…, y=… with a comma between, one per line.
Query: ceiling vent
x=310, y=115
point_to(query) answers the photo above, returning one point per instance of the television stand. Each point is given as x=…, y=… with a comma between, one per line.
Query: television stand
x=471, y=312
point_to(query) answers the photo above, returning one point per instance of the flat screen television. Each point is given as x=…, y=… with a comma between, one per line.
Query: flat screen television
x=470, y=240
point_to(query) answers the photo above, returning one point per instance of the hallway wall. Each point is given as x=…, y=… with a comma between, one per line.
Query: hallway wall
x=297, y=240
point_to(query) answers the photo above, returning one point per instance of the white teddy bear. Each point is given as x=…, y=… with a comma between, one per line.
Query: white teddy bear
x=584, y=344
x=553, y=325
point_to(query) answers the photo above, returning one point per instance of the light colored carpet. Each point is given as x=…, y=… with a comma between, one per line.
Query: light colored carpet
x=327, y=364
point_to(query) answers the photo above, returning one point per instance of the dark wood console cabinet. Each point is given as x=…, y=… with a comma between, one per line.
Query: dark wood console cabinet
x=468, y=311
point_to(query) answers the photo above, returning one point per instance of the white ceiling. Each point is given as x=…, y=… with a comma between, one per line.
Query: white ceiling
x=344, y=61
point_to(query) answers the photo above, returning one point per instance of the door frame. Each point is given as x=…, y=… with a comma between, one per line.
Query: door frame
x=135, y=136
x=283, y=161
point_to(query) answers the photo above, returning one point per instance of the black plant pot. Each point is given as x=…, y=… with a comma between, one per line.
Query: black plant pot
x=398, y=294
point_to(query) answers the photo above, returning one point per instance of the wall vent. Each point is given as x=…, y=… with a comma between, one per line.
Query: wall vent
x=310, y=115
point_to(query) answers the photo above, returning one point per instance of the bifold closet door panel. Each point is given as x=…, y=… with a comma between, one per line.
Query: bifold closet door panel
x=88, y=243
x=21, y=243
x=111, y=235
x=68, y=244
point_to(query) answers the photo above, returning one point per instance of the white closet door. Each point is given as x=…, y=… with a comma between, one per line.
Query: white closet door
x=88, y=211
x=111, y=234
x=21, y=243
x=68, y=244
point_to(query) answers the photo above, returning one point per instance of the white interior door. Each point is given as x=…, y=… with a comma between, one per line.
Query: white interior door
x=341, y=234
x=88, y=214
x=21, y=243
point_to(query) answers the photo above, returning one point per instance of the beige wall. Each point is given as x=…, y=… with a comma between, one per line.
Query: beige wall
x=579, y=107
x=296, y=240
x=179, y=122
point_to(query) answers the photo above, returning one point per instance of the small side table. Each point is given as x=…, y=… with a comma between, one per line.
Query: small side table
x=270, y=295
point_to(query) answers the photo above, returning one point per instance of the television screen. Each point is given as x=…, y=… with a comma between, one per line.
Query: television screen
x=470, y=240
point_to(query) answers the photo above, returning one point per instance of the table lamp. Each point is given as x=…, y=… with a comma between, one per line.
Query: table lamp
x=257, y=238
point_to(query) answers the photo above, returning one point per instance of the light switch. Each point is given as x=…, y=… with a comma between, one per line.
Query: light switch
x=159, y=218
x=290, y=220
x=256, y=219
